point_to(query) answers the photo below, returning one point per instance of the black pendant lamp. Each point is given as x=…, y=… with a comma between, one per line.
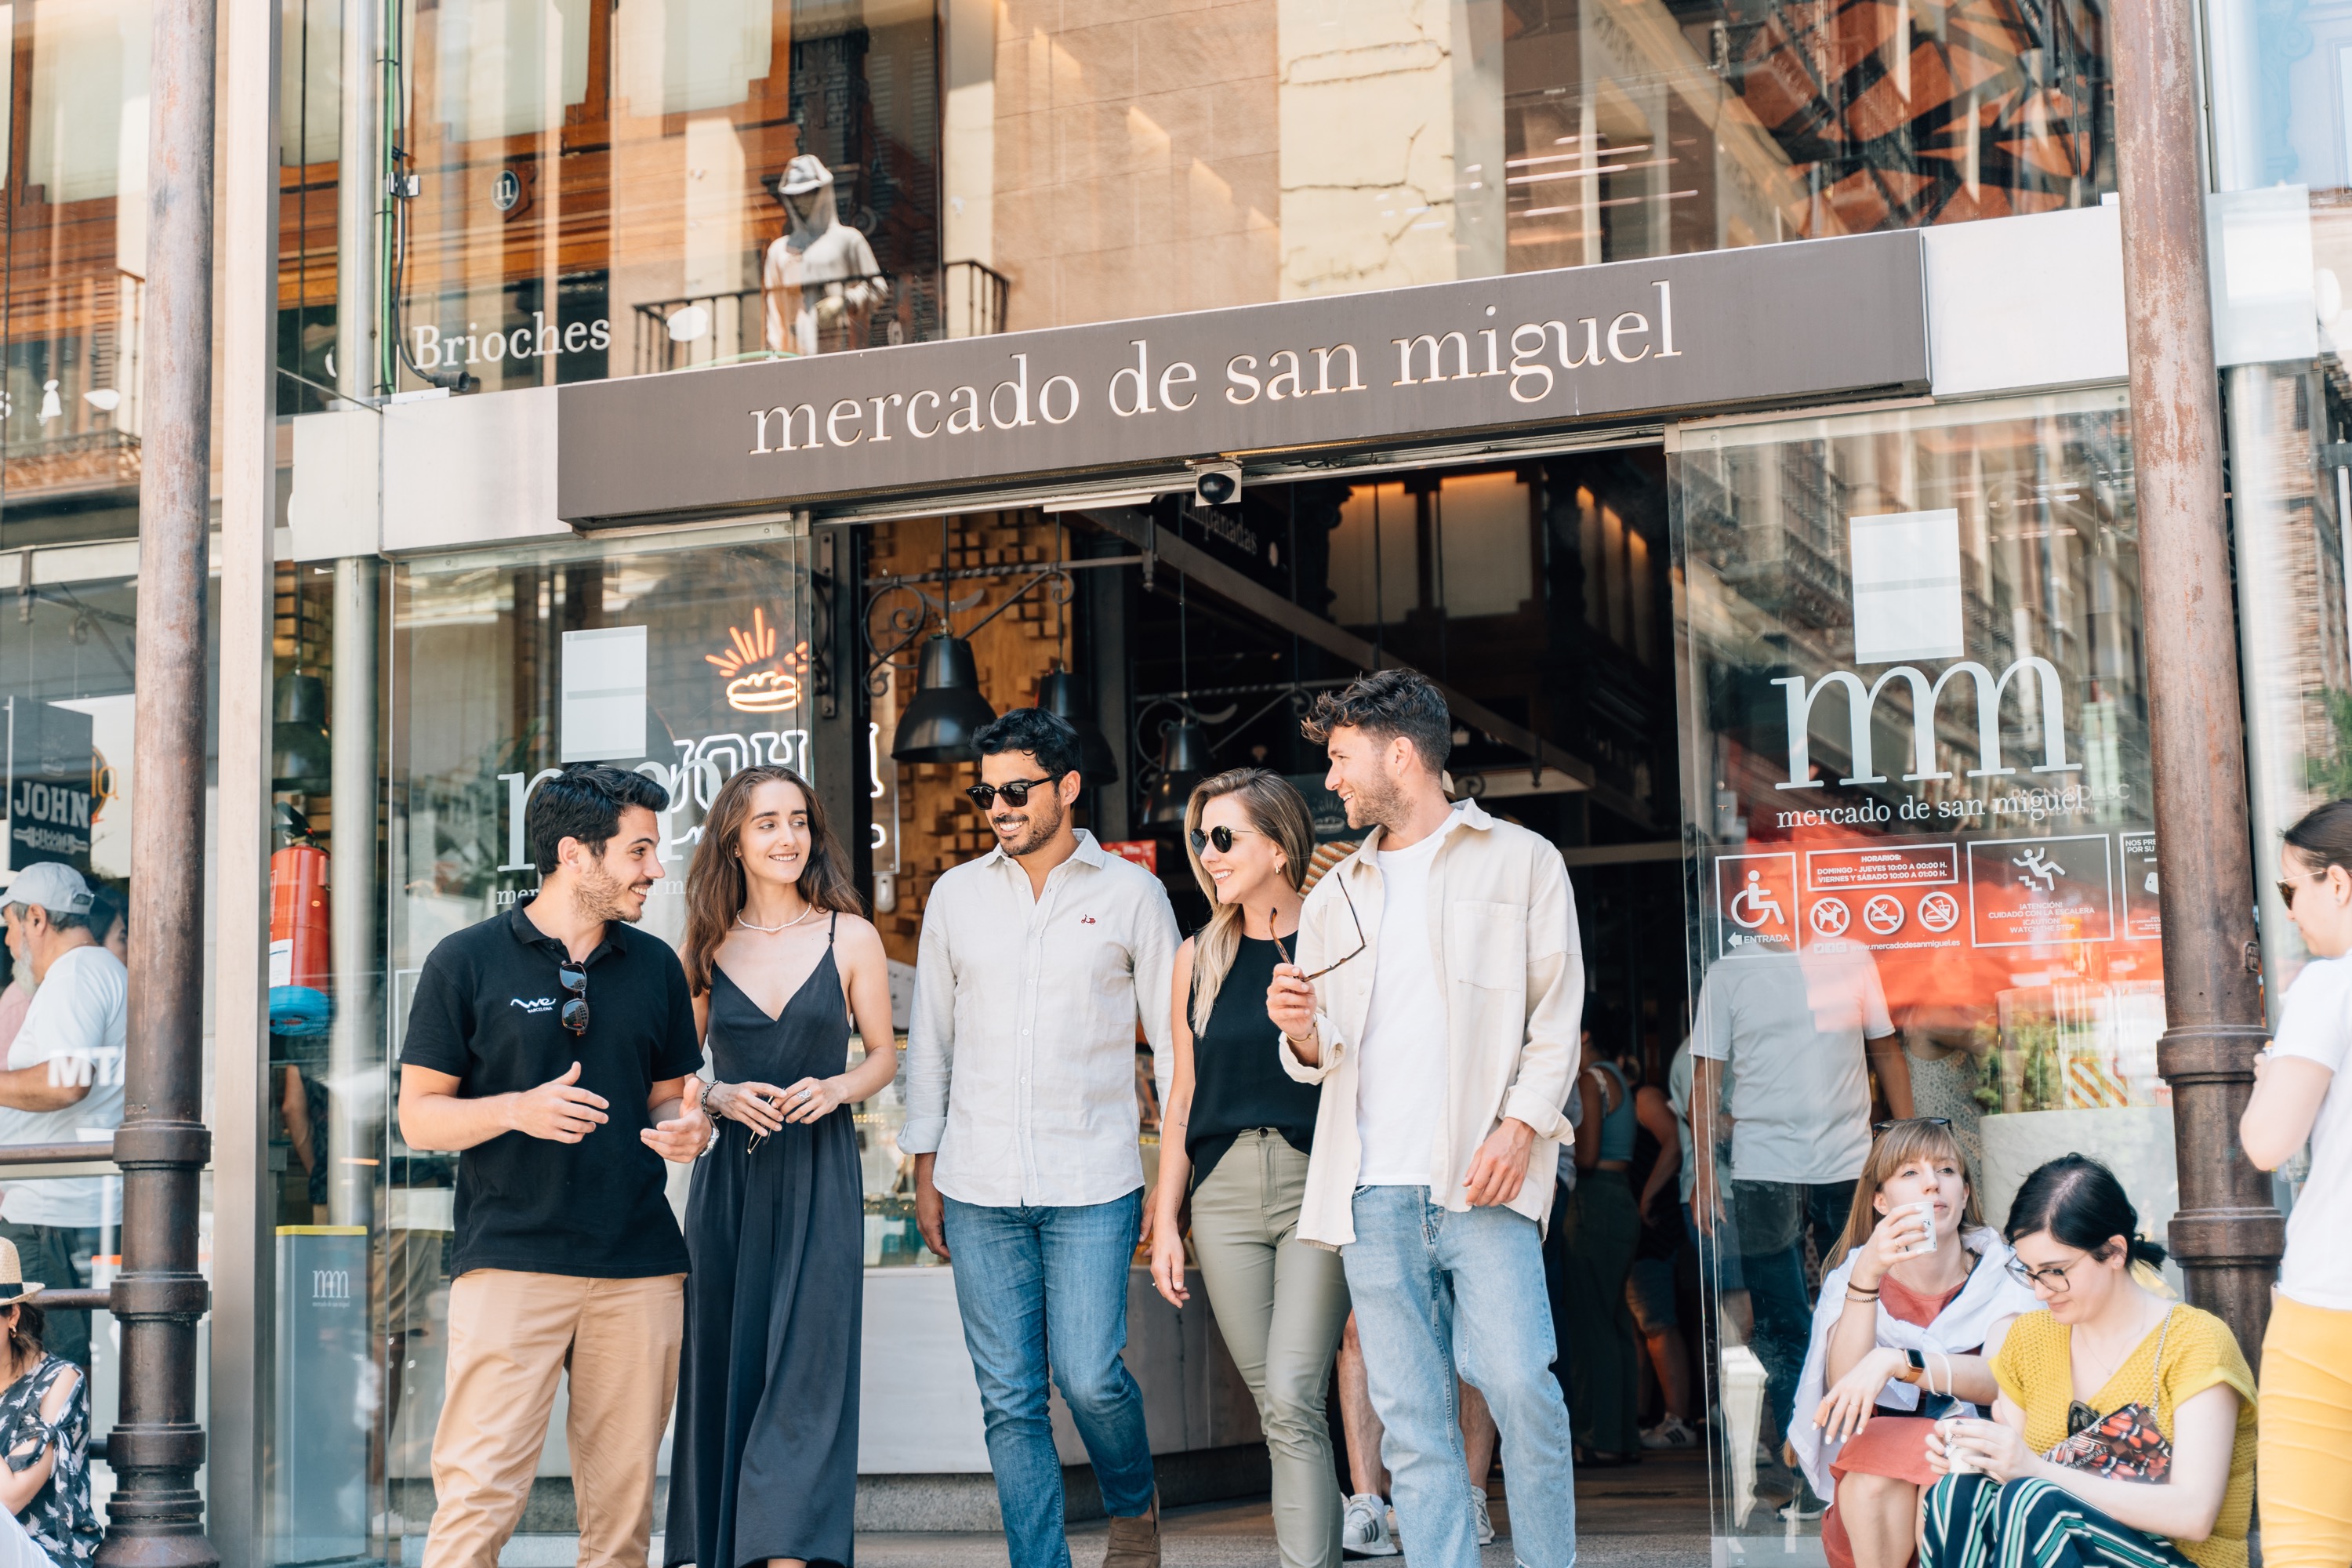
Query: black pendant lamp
x=948, y=710
x=1183, y=759
x=300, y=758
x=1057, y=694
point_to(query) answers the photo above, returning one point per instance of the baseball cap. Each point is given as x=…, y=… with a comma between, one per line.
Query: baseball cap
x=48, y=884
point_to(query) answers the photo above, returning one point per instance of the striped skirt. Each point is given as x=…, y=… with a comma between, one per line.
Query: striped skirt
x=1975, y=1521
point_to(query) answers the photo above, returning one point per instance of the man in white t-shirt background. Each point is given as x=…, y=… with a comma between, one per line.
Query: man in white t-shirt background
x=1797, y=1035
x=63, y=1080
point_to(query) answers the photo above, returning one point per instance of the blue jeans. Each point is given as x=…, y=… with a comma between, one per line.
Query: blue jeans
x=1435, y=1293
x=1025, y=1278
x=1775, y=1219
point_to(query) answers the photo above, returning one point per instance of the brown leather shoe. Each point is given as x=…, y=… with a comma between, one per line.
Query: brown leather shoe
x=1135, y=1542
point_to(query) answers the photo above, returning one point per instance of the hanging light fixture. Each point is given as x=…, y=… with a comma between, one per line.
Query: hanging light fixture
x=1058, y=693
x=948, y=710
x=301, y=758
x=1183, y=759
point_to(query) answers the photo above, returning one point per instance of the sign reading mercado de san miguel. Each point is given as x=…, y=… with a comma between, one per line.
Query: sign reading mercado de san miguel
x=1515, y=353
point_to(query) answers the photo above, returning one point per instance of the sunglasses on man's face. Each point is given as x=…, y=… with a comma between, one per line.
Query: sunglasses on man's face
x=1223, y=837
x=1015, y=793
x=574, y=1015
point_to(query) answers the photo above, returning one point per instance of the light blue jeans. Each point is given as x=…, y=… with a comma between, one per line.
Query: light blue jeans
x=1025, y=1278
x=1436, y=1293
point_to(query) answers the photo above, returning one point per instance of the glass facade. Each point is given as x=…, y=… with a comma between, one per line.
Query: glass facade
x=579, y=191
x=503, y=196
x=1915, y=762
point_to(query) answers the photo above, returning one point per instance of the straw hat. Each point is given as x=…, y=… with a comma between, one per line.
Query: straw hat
x=14, y=1285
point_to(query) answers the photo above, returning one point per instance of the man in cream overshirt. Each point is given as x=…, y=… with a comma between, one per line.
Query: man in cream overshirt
x=1436, y=998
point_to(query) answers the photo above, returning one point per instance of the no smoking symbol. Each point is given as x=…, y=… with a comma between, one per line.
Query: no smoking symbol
x=1883, y=914
x=1939, y=911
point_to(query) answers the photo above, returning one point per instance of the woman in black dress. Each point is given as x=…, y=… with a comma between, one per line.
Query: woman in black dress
x=765, y=1465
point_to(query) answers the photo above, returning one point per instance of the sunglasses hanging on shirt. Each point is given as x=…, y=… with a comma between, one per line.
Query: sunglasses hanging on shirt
x=574, y=1015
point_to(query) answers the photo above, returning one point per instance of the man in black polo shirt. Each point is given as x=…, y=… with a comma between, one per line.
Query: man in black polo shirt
x=557, y=1048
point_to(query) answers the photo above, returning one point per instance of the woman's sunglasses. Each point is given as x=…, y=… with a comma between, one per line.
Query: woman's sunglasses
x=1015, y=793
x=574, y=1015
x=1223, y=837
x=1878, y=1129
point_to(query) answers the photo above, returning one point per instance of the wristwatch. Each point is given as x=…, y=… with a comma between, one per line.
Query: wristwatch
x=1913, y=1372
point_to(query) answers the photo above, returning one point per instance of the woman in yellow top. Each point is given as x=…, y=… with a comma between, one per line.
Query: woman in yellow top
x=2124, y=1436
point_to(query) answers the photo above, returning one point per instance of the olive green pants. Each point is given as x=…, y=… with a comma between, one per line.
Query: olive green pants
x=1280, y=1304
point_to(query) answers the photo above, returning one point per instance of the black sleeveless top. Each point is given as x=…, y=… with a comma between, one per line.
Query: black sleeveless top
x=1237, y=1078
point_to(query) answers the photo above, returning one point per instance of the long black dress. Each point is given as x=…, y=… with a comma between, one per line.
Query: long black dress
x=765, y=1463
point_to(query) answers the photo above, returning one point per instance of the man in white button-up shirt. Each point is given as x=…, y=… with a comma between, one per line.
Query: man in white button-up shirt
x=1037, y=961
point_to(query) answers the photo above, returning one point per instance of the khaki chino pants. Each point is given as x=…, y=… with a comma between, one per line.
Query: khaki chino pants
x=511, y=1337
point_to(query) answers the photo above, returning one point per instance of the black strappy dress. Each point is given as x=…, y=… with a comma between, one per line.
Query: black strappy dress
x=765, y=1461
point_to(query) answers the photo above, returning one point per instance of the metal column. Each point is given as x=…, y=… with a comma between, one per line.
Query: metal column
x=354, y=1044
x=2226, y=1234
x=241, y=1337
x=157, y=1515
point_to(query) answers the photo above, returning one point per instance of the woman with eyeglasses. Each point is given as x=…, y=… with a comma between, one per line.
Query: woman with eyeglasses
x=1917, y=1297
x=2123, y=1433
x=779, y=958
x=1235, y=1135
x=2300, y=1095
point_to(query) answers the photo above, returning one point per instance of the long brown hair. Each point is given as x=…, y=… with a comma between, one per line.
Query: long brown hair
x=1276, y=809
x=1895, y=1147
x=716, y=888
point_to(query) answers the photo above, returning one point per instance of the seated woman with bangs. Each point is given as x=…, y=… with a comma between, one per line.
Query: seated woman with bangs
x=1916, y=1298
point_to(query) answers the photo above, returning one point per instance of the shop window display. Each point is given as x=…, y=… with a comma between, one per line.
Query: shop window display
x=1915, y=739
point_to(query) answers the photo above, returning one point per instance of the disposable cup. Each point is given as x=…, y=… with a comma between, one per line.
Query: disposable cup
x=1925, y=1209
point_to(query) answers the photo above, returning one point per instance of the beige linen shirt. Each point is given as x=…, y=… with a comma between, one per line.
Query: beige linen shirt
x=1504, y=945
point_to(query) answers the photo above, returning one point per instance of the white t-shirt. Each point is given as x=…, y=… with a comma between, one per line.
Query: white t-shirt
x=2317, y=1027
x=76, y=1021
x=1400, y=1073
x=1791, y=1027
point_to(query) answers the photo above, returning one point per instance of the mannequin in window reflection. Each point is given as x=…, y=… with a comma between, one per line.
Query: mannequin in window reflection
x=819, y=272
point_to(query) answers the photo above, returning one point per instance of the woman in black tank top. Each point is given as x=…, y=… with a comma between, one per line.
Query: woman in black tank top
x=1235, y=1137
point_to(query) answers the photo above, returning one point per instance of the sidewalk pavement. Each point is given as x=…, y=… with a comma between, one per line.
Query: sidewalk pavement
x=1651, y=1515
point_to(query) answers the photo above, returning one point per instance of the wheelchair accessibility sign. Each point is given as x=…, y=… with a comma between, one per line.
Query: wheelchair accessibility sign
x=1756, y=903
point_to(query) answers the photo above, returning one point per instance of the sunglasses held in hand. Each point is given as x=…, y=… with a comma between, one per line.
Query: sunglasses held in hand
x=1284, y=952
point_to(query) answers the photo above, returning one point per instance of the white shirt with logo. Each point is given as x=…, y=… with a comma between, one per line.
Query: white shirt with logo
x=75, y=1026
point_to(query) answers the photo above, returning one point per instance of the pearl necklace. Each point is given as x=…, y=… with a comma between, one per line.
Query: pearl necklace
x=771, y=930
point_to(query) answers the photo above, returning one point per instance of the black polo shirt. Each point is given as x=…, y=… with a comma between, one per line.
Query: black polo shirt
x=485, y=1013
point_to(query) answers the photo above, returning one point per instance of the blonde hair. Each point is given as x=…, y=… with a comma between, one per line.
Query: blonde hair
x=1276, y=809
x=1895, y=1147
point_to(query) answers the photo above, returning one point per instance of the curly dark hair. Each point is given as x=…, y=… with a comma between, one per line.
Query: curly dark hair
x=1044, y=736
x=1384, y=705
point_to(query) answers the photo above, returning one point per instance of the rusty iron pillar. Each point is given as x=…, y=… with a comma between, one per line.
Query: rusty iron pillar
x=2227, y=1234
x=156, y=1516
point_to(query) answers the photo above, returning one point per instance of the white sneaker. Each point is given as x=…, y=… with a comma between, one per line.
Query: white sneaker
x=1674, y=1432
x=1364, y=1528
x=1480, y=1518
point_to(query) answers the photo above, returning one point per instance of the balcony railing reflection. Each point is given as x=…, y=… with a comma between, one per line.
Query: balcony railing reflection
x=69, y=407
x=961, y=299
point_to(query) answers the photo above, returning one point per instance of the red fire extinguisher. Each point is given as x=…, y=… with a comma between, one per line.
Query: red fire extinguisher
x=301, y=996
